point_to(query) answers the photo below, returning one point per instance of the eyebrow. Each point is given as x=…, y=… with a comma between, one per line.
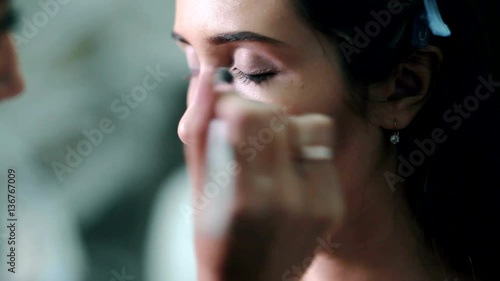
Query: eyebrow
x=232, y=37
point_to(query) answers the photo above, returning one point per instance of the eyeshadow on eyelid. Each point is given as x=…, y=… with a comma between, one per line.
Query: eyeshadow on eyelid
x=249, y=61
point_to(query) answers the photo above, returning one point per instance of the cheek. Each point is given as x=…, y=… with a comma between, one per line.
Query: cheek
x=316, y=93
x=328, y=94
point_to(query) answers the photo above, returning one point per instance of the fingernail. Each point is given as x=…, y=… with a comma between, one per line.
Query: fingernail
x=317, y=153
x=314, y=137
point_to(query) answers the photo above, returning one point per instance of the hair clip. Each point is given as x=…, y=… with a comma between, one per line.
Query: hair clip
x=420, y=36
x=436, y=23
x=427, y=21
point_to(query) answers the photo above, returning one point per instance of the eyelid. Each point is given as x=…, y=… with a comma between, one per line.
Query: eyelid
x=257, y=78
x=252, y=66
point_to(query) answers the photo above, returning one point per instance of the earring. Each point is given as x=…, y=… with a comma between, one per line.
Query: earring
x=395, y=137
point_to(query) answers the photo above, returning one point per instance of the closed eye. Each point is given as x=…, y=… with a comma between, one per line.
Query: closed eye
x=257, y=77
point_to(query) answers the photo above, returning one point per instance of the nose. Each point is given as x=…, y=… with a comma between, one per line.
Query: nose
x=11, y=80
x=199, y=112
x=185, y=127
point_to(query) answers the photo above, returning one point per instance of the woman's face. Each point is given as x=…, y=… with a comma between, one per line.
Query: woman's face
x=275, y=57
x=11, y=82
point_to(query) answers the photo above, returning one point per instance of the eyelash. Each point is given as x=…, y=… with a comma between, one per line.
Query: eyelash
x=257, y=78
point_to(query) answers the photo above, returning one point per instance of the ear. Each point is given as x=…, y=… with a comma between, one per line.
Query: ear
x=407, y=89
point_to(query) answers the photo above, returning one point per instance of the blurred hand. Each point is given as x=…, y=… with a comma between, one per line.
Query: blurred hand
x=284, y=191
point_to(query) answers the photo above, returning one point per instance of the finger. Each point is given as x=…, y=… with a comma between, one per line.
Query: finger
x=193, y=127
x=205, y=156
x=313, y=139
x=262, y=151
x=259, y=153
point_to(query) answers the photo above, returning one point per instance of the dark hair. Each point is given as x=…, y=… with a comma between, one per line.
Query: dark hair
x=453, y=194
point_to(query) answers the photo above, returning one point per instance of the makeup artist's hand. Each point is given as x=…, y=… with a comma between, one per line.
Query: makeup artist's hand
x=285, y=191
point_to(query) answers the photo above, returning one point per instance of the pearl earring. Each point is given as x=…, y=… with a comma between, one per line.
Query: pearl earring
x=395, y=137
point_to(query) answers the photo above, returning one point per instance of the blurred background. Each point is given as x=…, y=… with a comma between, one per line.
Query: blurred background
x=94, y=143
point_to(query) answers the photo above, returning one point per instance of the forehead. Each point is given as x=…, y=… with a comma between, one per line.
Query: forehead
x=272, y=18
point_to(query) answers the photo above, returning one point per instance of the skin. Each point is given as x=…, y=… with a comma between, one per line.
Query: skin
x=346, y=200
x=11, y=78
